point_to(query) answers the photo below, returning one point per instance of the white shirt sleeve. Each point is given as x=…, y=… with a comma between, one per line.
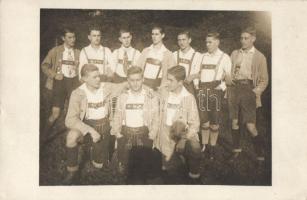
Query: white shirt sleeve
x=110, y=59
x=197, y=64
x=226, y=66
x=82, y=61
x=114, y=58
x=225, y=71
x=136, y=57
x=175, y=55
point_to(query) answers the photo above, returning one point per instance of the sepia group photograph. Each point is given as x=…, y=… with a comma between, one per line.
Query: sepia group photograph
x=185, y=99
x=155, y=97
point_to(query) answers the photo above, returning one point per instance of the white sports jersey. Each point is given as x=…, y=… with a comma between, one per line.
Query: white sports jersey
x=190, y=61
x=101, y=57
x=215, y=66
x=118, y=59
x=153, y=65
x=173, y=104
x=68, y=63
x=135, y=109
x=95, y=103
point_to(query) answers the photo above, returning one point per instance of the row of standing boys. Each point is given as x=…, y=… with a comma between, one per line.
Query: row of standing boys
x=153, y=100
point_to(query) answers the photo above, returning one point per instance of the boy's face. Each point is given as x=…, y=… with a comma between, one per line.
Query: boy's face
x=69, y=39
x=125, y=39
x=183, y=41
x=156, y=36
x=135, y=82
x=212, y=44
x=95, y=37
x=247, y=40
x=172, y=83
x=92, y=79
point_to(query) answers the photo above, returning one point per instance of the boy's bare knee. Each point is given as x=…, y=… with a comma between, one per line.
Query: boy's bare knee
x=251, y=127
x=72, y=138
x=235, y=124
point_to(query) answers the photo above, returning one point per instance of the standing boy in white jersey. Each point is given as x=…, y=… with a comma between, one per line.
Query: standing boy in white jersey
x=155, y=60
x=61, y=68
x=178, y=106
x=98, y=55
x=88, y=113
x=135, y=125
x=124, y=57
x=215, y=68
x=190, y=59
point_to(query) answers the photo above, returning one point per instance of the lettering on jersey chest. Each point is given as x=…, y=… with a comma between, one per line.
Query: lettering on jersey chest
x=68, y=62
x=134, y=106
x=95, y=61
x=96, y=105
x=173, y=106
x=184, y=61
x=208, y=66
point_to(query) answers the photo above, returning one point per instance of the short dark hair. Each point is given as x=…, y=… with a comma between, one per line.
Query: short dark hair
x=185, y=32
x=124, y=30
x=94, y=27
x=215, y=35
x=160, y=28
x=251, y=30
x=134, y=70
x=178, y=72
x=87, y=68
x=67, y=30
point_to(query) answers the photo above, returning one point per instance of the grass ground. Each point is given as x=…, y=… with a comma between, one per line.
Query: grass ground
x=213, y=172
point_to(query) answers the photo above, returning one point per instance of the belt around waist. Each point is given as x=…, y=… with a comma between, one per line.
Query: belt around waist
x=210, y=84
x=134, y=130
x=94, y=122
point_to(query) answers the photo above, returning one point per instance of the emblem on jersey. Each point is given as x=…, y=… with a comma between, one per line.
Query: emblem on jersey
x=173, y=106
x=237, y=69
x=208, y=66
x=134, y=106
x=96, y=105
x=68, y=62
x=184, y=61
x=95, y=61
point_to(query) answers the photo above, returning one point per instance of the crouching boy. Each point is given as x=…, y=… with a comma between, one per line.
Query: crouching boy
x=180, y=123
x=88, y=113
x=135, y=126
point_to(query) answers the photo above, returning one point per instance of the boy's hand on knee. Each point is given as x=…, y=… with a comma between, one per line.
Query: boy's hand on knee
x=59, y=76
x=95, y=135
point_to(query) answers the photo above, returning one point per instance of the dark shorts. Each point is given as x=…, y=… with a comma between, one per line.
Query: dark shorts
x=209, y=102
x=63, y=89
x=100, y=151
x=152, y=83
x=135, y=152
x=242, y=99
x=102, y=126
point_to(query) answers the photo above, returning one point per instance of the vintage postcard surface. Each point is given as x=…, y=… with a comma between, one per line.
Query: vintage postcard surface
x=170, y=100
